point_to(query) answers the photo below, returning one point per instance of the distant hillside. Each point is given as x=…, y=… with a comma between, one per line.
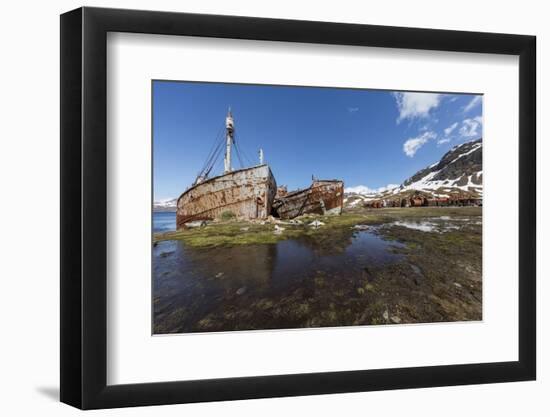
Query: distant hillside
x=165, y=205
x=460, y=167
x=458, y=172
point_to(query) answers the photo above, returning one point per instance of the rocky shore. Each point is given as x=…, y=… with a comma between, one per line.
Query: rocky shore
x=434, y=273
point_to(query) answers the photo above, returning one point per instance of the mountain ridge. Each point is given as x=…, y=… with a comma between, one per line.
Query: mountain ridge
x=458, y=173
x=165, y=205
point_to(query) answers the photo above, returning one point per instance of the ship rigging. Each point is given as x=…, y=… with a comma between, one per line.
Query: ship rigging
x=249, y=192
x=224, y=140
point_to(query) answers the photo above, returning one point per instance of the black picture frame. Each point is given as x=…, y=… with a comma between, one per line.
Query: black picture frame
x=84, y=207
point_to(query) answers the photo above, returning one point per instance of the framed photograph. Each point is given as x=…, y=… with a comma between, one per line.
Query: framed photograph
x=257, y=208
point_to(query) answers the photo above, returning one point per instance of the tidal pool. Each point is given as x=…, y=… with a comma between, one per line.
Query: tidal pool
x=198, y=289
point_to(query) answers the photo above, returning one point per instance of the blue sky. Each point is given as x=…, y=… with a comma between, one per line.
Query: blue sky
x=368, y=138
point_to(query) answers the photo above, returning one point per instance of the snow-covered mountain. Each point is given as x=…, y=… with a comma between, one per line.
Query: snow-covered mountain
x=461, y=168
x=458, y=172
x=165, y=205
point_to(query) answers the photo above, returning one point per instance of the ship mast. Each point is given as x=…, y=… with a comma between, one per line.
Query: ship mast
x=230, y=130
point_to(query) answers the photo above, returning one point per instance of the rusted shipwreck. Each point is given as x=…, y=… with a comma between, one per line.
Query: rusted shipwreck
x=249, y=193
x=323, y=197
x=245, y=193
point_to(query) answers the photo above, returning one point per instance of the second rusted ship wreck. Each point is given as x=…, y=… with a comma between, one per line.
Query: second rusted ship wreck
x=323, y=197
x=245, y=193
x=250, y=193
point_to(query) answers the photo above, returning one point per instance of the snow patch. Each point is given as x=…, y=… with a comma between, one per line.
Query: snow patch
x=436, y=225
x=167, y=203
x=473, y=149
x=365, y=190
x=422, y=226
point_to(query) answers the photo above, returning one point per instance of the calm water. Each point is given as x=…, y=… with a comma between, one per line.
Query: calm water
x=164, y=221
x=192, y=284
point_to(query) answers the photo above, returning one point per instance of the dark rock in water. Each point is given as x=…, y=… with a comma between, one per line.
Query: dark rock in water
x=368, y=274
x=165, y=254
x=241, y=291
x=155, y=244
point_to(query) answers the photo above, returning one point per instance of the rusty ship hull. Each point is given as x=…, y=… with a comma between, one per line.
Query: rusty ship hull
x=246, y=193
x=323, y=197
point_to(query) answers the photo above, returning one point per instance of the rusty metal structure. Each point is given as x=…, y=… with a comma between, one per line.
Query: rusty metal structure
x=322, y=197
x=246, y=194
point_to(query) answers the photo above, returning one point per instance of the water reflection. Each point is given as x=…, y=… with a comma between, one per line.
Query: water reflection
x=190, y=285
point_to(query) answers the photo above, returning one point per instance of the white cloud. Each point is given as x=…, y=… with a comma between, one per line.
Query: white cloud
x=415, y=105
x=473, y=102
x=363, y=189
x=444, y=140
x=471, y=127
x=450, y=129
x=353, y=109
x=412, y=145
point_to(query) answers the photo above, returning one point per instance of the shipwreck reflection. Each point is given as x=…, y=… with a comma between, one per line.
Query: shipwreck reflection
x=190, y=284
